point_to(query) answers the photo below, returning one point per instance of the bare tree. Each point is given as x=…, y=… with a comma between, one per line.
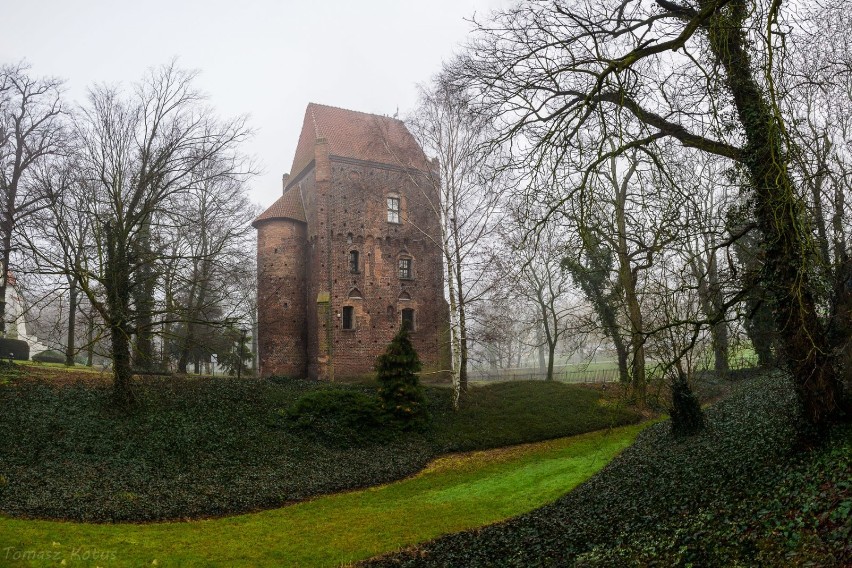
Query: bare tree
x=31, y=130
x=701, y=72
x=140, y=155
x=469, y=203
x=532, y=271
x=213, y=232
x=63, y=243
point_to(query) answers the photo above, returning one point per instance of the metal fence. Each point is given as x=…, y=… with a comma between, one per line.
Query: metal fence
x=594, y=373
x=565, y=374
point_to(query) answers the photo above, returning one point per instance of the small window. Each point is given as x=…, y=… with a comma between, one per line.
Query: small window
x=353, y=262
x=405, y=268
x=408, y=319
x=348, y=317
x=391, y=313
x=393, y=209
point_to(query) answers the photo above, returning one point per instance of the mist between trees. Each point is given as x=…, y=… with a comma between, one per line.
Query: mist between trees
x=654, y=183
x=650, y=181
x=126, y=222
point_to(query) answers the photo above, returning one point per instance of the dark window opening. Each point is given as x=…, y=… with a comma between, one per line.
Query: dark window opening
x=405, y=268
x=353, y=262
x=348, y=317
x=393, y=209
x=408, y=319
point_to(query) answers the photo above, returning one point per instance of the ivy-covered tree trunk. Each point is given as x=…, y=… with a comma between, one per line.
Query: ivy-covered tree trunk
x=781, y=217
x=72, y=322
x=117, y=287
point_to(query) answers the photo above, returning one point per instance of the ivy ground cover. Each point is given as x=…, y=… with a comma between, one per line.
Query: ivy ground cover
x=453, y=493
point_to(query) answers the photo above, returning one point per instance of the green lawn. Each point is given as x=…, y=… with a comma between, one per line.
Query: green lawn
x=452, y=494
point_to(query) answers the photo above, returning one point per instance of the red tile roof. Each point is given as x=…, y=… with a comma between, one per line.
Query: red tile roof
x=288, y=206
x=358, y=135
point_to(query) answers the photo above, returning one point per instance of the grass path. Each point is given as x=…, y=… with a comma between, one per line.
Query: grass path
x=454, y=493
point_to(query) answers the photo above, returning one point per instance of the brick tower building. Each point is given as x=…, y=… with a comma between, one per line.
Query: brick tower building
x=350, y=251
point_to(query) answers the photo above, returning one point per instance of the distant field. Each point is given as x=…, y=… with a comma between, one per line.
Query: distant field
x=594, y=372
x=599, y=371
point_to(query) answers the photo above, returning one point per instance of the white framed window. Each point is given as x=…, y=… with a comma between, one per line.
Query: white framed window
x=405, y=269
x=393, y=209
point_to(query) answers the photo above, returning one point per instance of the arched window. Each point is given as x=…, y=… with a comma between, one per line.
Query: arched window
x=405, y=296
x=391, y=313
x=356, y=294
x=354, y=265
x=408, y=319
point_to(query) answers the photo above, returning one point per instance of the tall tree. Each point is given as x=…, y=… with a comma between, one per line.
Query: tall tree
x=701, y=72
x=63, y=243
x=31, y=130
x=533, y=272
x=446, y=127
x=141, y=154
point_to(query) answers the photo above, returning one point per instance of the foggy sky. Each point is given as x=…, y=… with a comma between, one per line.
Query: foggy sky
x=263, y=58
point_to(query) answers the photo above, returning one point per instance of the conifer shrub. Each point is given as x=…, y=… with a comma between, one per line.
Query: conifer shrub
x=400, y=394
x=687, y=416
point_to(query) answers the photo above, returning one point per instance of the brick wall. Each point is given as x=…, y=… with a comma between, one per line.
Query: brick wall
x=281, y=291
x=346, y=209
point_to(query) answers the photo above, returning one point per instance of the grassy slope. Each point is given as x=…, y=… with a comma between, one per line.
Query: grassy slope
x=454, y=493
x=736, y=495
x=209, y=447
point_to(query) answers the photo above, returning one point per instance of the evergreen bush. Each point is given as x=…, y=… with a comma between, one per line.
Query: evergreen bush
x=400, y=393
x=687, y=416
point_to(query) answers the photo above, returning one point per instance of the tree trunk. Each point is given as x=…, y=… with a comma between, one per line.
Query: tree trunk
x=117, y=287
x=462, y=318
x=627, y=279
x=188, y=339
x=143, y=298
x=122, y=388
x=623, y=355
x=72, y=322
x=90, y=339
x=781, y=216
x=712, y=304
x=551, y=356
x=4, y=276
x=455, y=331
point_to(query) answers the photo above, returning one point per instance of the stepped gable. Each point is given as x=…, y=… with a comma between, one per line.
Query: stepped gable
x=357, y=135
x=288, y=206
